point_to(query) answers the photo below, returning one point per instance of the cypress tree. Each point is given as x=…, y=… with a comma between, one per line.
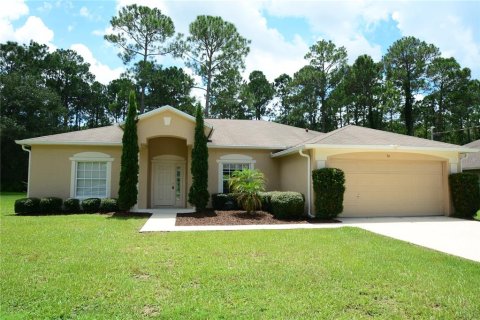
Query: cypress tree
x=127, y=193
x=198, y=194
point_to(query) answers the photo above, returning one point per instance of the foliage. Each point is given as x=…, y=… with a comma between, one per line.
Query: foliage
x=224, y=201
x=87, y=254
x=108, y=205
x=259, y=93
x=198, y=193
x=287, y=205
x=51, y=205
x=213, y=46
x=465, y=190
x=91, y=205
x=127, y=192
x=246, y=185
x=141, y=31
x=71, y=205
x=329, y=62
x=406, y=63
x=329, y=188
x=27, y=206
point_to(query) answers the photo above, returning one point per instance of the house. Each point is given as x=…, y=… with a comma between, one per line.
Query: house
x=387, y=174
x=471, y=163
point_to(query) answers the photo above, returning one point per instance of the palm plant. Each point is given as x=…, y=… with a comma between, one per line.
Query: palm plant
x=246, y=185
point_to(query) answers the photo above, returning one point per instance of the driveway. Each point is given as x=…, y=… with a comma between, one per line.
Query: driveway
x=454, y=236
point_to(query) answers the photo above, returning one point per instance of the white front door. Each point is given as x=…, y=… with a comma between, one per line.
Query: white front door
x=168, y=186
x=163, y=184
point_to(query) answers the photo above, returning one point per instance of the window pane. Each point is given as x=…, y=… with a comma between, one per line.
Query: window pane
x=91, y=179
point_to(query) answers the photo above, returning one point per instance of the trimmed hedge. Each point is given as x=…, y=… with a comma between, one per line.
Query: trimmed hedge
x=71, y=205
x=108, y=205
x=329, y=188
x=51, y=205
x=91, y=205
x=285, y=205
x=27, y=206
x=224, y=201
x=465, y=192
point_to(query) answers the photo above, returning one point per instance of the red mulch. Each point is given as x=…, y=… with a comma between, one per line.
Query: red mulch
x=211, y=217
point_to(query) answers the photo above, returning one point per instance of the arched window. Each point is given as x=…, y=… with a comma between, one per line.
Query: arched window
x=91, y=175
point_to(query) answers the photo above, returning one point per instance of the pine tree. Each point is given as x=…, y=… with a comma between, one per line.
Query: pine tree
x=127, y=193
x=198, y=194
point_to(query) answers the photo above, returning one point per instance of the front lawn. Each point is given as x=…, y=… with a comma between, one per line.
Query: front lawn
x=94, y=266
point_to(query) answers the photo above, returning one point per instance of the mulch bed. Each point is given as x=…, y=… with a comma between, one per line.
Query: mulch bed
x=215, y=218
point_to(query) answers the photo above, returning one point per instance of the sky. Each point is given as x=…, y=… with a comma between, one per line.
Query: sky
x=280, y=31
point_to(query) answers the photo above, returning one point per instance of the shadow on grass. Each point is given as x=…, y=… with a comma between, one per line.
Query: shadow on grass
x=129, y=215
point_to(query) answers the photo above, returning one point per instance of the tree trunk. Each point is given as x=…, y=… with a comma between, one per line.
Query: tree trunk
x=207, y=95
x=408, y=111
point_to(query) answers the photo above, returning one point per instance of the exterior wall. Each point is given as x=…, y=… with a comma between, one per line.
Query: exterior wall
x=264, y=163
x=293, y=175
x=50, y=167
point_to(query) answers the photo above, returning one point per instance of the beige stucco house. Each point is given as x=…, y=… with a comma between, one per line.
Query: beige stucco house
x=387, y=174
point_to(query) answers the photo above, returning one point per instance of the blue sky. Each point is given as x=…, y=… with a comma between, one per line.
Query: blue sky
x=281, y=31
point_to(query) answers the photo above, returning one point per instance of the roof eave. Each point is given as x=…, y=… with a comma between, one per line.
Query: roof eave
x=373, y=147
x=233, y=146
x=66, y=143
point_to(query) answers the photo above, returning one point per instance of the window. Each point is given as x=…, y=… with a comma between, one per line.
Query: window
x=227, y=165
x=91, y=174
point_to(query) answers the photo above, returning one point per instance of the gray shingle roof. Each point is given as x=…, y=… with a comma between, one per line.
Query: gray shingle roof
x=353, y=135
x=472, y=161
x=257, y=133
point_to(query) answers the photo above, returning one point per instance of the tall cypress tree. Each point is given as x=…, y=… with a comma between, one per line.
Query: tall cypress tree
x=198, y=194
x=127, y=193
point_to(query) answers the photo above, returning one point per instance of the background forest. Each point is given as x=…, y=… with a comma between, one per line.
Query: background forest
x=413, y=89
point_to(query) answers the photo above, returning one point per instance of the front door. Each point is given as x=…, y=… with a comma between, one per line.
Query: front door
x=167, y=184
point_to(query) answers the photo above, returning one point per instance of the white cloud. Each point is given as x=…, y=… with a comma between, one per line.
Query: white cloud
x=45, y=7
x=102, y=72
x=14, y=9
x=85, y=13
x=34, y=29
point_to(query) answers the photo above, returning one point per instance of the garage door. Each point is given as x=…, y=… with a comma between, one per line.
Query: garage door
x=391, y=188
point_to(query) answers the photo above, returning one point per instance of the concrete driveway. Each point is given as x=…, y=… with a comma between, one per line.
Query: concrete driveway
x=454, y=236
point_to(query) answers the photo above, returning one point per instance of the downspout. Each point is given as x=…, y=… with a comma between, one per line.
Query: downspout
x=24, y=148
x=300, y=152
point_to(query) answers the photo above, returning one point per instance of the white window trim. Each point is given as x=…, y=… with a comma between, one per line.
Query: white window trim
x=90, y=157
x=234, y=159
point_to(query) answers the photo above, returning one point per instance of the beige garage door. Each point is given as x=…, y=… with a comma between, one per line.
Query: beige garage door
x=391, y=188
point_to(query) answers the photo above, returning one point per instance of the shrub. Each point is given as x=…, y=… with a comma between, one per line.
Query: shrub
x=108, y=205
x=27, y=206
x=266, y=199
x=224, y=201
x=465, y=194
x=329, y=187
x=51, y=205
x=246, y=184
x=91, y=205
x=287, y=205
x=71, y=205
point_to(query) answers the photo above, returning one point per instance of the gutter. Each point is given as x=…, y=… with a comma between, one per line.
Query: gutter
x=24, y=148
x=309, y=210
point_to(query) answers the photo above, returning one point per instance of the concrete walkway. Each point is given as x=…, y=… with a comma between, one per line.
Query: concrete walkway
x=449, y=235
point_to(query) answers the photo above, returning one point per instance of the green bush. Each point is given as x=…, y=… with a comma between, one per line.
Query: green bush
x=266, y=198
x=91, y=205
x=329, y=187
x=27, y=206
x=465, y=194
x=287, y=205
x=224, y=201
x=108, y=205
x=71, y=205
x=51, y=205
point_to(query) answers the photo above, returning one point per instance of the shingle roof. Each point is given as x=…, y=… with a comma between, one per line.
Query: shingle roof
x=472, y=161
x=353, y=135
x=257, y=133
x=110, y=135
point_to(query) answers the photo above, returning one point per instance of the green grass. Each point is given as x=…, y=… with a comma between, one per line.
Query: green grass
x=94, y=266
x=477, y=216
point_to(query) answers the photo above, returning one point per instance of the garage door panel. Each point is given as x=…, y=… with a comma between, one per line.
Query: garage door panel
x=391, y=188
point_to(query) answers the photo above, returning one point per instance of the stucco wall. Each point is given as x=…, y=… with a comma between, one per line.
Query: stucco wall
x=50, y=167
